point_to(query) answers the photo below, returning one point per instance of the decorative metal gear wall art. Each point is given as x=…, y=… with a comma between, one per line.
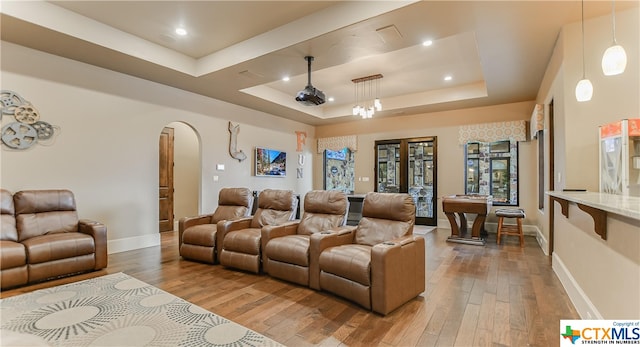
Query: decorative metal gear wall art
x=28, y=129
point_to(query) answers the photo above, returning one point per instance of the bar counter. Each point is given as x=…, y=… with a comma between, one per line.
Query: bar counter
x=628, y=206
x=597, y=205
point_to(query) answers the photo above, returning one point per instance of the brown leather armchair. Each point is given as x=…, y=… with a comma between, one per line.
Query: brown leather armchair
x=379, y=264
x=286, y=252
x=55, y=241
x=13, y=255
x=197, y=236
x=240, y=239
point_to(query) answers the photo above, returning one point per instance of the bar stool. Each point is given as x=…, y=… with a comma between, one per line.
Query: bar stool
x=514, y=230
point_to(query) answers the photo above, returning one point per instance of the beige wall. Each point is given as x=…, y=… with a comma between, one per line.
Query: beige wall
x=602, y=277
x=186, y=171
x=614, y=97
x=444, y=125
x=107, y=149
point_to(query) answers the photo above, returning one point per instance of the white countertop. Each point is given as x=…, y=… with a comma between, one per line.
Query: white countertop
x=628, y=206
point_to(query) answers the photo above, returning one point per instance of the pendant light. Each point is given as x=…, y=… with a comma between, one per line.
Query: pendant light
x=584, y=88
x=614, y=60
x=364, y=93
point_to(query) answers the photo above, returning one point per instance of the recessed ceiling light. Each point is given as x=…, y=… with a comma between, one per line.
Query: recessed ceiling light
x=448, y=78
x=427, y=43
x=285, y=78
x=331, y=99
x=181, y=31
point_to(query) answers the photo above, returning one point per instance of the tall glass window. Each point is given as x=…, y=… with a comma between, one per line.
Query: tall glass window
x=339, y=170
x=492, y=169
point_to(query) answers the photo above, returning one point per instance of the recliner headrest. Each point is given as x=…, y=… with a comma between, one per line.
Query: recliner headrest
x=392, y=206
x=36, y=201
x=326, y=202
x=235, y=197
x=275, y=199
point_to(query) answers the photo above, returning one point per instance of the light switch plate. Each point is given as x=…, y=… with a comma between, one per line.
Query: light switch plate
x=220, y=167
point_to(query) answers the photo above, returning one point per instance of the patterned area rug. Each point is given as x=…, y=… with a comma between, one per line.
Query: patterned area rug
x=115, y=310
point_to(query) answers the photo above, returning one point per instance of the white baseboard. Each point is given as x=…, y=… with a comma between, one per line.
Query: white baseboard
x=131, y=243
x=542, y=241
x=580, y=300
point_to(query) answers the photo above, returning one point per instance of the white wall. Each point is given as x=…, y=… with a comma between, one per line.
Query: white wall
x=602, y=277
x=107, y=149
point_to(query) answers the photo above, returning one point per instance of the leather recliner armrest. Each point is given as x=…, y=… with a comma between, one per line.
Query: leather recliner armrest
x=269, y=232
x=321, y=241
x=272, y=231
x=397, y=272
x=225, y=226
x=99, y=233
x=187, y=222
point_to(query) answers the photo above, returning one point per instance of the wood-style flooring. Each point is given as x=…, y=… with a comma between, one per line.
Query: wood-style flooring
x=476, y=296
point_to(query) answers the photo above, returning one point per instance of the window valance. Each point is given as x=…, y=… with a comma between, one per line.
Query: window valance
x=492, y=132
x=537, y=120
x=337, y=143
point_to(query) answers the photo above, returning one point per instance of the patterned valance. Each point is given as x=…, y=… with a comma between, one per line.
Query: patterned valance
x=537, y=120
x=491, y=132
x=337, y=143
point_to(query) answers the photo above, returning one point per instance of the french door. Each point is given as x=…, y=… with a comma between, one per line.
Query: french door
x=409, y=166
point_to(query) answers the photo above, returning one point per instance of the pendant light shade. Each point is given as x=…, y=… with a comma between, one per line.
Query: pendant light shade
x=584, y=90
x=614, y=60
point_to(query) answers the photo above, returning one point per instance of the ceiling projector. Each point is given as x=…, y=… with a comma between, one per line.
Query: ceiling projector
x=310, y=96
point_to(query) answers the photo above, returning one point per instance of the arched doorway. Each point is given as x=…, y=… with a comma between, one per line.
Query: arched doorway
x=179, y=174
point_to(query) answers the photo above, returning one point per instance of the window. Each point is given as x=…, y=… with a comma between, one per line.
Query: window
x=339, y=170
x=492, y=169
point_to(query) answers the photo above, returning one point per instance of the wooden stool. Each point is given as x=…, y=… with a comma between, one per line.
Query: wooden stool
x=514, y=230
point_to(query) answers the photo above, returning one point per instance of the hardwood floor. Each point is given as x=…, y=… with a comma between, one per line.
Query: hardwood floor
x=476, y=296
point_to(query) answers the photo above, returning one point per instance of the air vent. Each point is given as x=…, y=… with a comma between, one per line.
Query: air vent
x=389, y=33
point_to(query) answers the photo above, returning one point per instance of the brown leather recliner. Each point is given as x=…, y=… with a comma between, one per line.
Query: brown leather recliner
x=55, y=241
x=379, y=264
x=286, y=252
x=240, y=239
x=197, y=236
x=13, y=255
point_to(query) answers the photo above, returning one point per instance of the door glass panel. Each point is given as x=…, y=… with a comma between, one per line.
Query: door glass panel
x=388, y=168
x=421, y=177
